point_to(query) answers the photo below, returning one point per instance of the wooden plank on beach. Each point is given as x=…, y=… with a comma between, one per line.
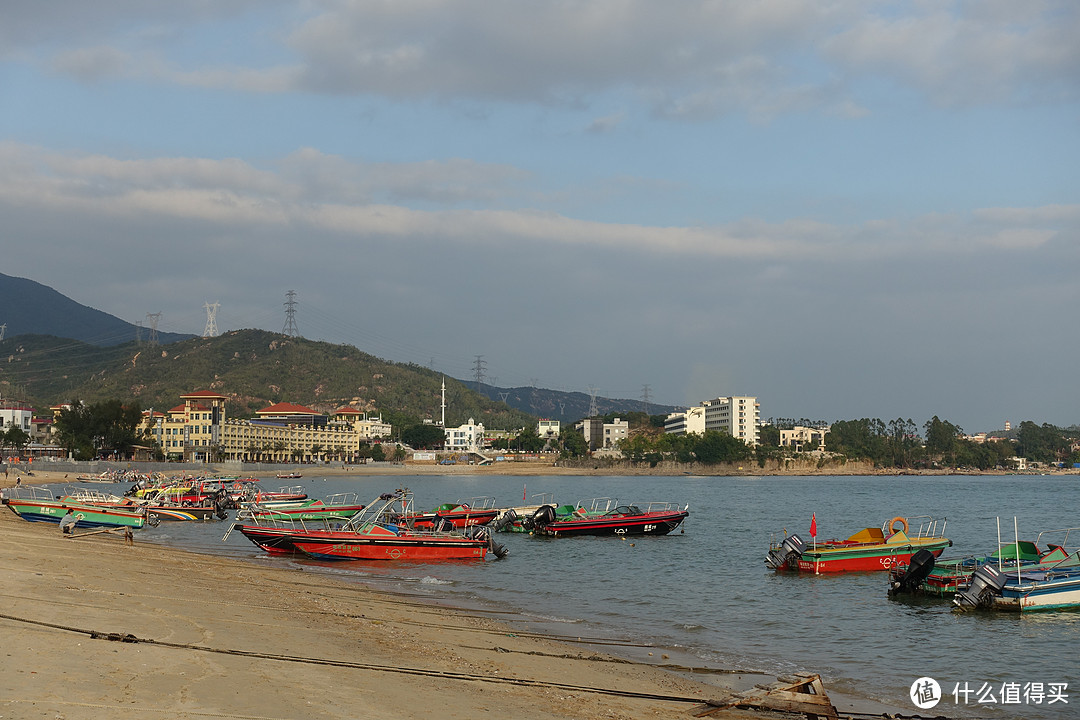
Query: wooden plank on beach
x=126, y=532
x=804, y=695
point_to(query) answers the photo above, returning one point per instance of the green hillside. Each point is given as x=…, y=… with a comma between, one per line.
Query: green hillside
x=253, y=368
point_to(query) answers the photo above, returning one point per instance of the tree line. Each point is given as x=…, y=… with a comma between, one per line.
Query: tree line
x=899, y=444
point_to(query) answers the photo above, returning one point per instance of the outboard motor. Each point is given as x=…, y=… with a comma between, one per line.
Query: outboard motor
x=787, y=554
x=544, y=514
x=986, y=582
x=918, y=568
x=505, y=519
x=219, y=505
x=441, y=524
x=500, y=551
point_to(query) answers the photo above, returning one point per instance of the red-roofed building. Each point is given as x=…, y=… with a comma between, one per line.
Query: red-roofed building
x=198, y=431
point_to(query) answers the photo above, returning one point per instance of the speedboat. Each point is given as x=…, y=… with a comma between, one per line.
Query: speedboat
x=657, y=518
x=872, y=548
x=378, y=532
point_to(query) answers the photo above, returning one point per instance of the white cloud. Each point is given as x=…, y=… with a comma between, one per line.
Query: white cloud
x=331, y=194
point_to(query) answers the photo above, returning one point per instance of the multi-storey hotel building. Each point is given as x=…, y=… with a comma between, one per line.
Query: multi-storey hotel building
x=737, y=415
x=198, y=430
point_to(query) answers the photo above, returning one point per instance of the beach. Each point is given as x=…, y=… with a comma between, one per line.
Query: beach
x=95, y=627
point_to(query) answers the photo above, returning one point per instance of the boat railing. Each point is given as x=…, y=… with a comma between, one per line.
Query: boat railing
x=479, y=503
x=1064, y=542
x=36, y=493
x=919, y=526
x=86, y=495
x=598, y=506
x=665, y=507
x=346, y=498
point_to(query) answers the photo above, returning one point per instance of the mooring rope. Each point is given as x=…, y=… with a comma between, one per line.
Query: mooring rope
x=440, y=674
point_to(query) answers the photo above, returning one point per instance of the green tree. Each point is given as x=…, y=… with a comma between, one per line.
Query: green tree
x=1045, y=443
x=377, y=453
x=637, y=447
x=104, y=427
x=424, y=437
x=859, y=439
x=769, y=435
x=15, y=437
x=528, y=441
x=573, y=443
x=717, y=447
x=941, y=437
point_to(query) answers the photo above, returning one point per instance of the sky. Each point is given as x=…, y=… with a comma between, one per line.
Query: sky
x=847, y=209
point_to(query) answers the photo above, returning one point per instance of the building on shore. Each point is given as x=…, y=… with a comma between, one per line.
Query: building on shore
x=465, y=438
x=198, y=430
x=804, y=439
x=547, y=429
x=736, y=415
x=599, y=434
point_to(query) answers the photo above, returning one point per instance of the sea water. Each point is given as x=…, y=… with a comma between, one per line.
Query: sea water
x=703, y=595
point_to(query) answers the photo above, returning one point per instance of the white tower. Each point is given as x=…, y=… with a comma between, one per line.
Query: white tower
x=211, y=320
x=443, y=421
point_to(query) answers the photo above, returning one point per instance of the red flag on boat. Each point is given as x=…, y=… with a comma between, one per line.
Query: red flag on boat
x=813, y=526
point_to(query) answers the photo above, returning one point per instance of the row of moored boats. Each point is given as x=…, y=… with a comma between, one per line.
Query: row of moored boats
x=1020, y=575
x=339, y=527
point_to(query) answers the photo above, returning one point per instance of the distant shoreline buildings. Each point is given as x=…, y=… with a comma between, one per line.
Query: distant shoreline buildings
x=283, y=432
x=737, y=415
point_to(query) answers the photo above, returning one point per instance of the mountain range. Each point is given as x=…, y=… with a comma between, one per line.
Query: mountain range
x=56, y=350
x=30, y=307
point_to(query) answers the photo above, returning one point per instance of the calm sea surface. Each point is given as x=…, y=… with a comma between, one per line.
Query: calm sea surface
x=704, y=595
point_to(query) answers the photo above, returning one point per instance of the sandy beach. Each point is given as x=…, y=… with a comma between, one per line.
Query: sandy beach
x=224, y=638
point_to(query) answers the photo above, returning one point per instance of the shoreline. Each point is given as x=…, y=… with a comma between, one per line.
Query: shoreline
x=354, y=650
x=40, y=475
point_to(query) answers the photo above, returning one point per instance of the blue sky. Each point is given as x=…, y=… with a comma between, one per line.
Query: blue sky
x=848, y=209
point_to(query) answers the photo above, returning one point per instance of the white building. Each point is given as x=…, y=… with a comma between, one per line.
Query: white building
x=737, y=415
x=804, y=438
x=15, y=414
x=465, y=438
x=615, y=431
x=683, y=423
x=599, y=434
x=547, y=429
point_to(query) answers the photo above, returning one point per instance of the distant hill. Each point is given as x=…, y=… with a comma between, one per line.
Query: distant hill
x=566, y=407
x=30, y=307
x=56, y=350
x=253, y=368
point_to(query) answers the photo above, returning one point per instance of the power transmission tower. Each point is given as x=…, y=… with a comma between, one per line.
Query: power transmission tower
x=645, y=397
x=593, y=412
x=290, y=328
x=138, y=333
x=3, y=328
x=211, y=319
x=503, y=396
x=152, y=318
x=478, y=371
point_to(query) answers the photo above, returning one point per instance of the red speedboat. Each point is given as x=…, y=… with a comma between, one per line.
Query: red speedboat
x=658, y=518
x=475, y=511
x=378, y=532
